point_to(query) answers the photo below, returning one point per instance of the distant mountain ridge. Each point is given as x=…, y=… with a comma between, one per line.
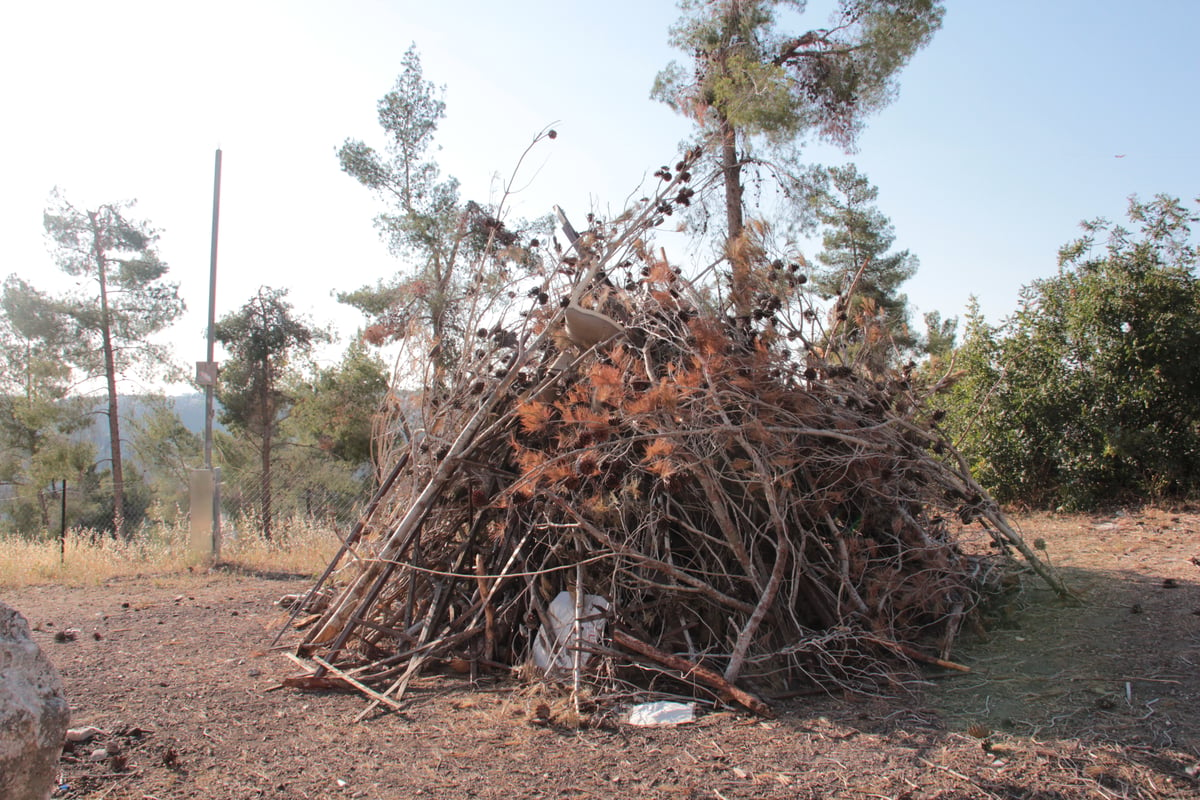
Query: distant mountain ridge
x=188, y=407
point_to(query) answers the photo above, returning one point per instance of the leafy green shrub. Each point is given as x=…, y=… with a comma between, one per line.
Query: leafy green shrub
x=1090, y=393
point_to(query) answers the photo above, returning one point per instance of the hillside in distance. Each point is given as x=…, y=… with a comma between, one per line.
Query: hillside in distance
x=188, y=407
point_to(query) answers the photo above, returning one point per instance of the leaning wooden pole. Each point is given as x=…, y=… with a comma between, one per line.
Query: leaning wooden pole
x=1002, y=530
x=359, y=528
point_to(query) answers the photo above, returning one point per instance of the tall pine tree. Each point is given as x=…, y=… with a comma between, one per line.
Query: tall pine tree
x=858, y=269
x=758, y=87
x=103, y=328
x=263, y=337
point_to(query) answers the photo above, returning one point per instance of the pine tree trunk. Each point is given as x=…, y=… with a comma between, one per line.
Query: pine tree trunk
x=268, y=433
x=731, y=171
x=110, y=376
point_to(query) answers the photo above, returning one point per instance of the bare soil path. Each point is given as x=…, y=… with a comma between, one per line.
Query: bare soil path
x=1097, y=700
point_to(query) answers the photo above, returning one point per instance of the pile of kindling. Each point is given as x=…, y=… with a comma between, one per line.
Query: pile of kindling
x=633, y=492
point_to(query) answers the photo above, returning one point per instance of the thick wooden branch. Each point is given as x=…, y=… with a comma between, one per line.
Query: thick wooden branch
x=692, y=671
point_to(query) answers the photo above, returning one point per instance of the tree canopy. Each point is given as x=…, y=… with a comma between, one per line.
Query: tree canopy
x=1089, y=393
x=452, y=251
x=335, y=409
x=858, y=269
x=263, y=338
x=38, y=415
x=103, y=329
x=757, y=88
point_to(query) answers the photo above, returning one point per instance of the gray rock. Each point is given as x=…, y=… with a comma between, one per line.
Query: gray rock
x=33, y=713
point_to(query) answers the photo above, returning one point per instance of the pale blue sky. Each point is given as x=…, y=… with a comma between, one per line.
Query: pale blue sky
x=1003, y=137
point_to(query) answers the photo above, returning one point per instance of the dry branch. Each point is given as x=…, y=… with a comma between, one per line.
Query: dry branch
x=690, y=671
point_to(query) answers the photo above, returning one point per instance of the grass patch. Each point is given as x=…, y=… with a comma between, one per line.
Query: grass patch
x=87, y=558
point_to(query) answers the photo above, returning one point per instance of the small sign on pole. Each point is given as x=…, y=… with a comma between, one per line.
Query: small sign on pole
x=206, y=373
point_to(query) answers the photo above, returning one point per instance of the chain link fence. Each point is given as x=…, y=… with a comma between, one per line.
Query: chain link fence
x=308, y=493
x=317, y=496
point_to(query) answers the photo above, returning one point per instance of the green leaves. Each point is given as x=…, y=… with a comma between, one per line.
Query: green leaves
x=363, y=163
x=858, y=234
x=262, y=338
x=766, y=81
x=756, y=91
x=1090, y=393
x=37, y=415
x=454, y=256
x=409, y=115
x=335, y=411
x=123, y=299
x=265, y=328
x=101, y=330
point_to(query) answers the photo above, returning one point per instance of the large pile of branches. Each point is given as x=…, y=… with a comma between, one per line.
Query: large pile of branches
x=731, y=507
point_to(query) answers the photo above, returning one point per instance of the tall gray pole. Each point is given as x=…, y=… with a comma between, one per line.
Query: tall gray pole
x=212, y=313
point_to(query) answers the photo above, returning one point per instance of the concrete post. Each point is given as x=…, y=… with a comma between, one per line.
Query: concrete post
x=202, y=496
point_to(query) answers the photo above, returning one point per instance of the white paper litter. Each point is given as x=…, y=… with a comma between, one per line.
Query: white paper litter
x=662, y=713
x=84, y=734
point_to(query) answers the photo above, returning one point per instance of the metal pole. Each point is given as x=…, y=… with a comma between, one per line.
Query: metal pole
x=62, y=526
x=212, y=312
x=210, y=388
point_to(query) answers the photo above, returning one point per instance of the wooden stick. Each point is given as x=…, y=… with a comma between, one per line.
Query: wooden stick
x=489, y=613
x=667, y=569
x=577, y=630
x=846, y=297
x=917, y=655
x=309, y=681
x=399, y=687
x=717, y=503
x=359, y=527
x=953, y=623
x=1012, y=537
x=362, y=687
x=725, y=689
x=746, y=635
x=1004, y=530
x=428, y=650
x=339, y=619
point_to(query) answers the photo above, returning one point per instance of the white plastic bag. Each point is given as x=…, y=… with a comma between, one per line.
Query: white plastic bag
x=552, y=649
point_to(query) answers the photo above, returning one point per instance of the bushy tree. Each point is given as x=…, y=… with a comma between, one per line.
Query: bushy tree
x=331, y=429
x=336, y=407
x=454, y=253
x=858, y=270
x=38, y=416
x=757, y=88
x=263, y=338
x=940, y=335
x=969, y=402
x=102, y=329
x=94, y=509
x=166, y=450
x=1090, y=393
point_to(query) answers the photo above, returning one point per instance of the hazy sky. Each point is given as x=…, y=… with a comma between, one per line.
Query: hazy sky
x=1020, y=119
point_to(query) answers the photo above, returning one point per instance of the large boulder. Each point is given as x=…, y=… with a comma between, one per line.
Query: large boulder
x=33, y=713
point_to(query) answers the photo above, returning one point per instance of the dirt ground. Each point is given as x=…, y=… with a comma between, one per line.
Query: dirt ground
x=1095, y=700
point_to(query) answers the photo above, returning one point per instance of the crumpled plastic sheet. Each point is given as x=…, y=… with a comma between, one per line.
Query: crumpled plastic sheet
x=663, y=712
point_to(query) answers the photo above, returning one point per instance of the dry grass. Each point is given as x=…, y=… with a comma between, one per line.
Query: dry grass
x=88, y=559
x=296, y=547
